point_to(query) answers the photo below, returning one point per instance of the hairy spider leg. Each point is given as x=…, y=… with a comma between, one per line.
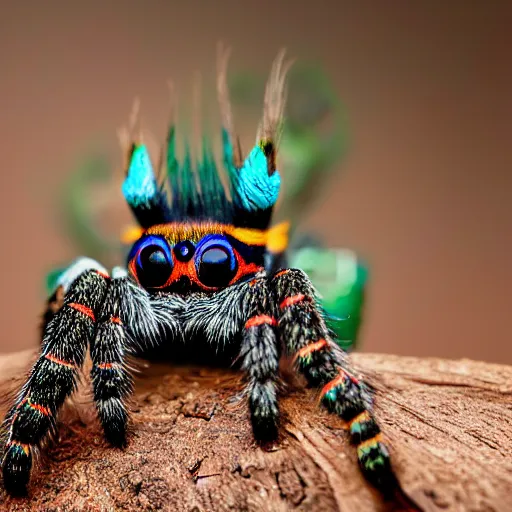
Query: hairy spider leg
x=260, y=352
x=111, y=380
x=324, y=364
x=52, y=378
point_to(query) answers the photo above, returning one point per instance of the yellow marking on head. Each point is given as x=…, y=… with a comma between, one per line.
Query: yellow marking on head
x=277, y=240
x=131, y=234
x=248, y=236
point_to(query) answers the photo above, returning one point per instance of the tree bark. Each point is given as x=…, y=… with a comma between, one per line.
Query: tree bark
x=449, y=425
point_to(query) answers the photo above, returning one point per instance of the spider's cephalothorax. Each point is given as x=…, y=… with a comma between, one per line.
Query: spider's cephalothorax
x=198, y=272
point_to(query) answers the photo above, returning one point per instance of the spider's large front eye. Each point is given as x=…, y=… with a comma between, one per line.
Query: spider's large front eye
x=216, y=263
x=153, y=263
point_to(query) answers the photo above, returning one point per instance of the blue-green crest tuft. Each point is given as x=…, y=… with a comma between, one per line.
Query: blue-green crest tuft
x=196, y=188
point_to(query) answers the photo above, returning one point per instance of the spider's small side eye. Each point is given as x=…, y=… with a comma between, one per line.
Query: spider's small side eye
x=153, y=262
x=215, y=262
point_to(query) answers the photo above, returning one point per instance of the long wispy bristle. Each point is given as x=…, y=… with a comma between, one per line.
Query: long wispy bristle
x=223, y=55
x=196, y=116
x=172, y=161
x=274, y=100
x=130, y=133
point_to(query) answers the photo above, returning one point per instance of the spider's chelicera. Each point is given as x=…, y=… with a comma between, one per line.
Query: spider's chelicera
x=204, y=268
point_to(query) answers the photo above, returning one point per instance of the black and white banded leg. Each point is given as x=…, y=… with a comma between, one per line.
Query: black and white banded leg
x=53, y=377
x=260, y=352
x=325, y=365
x=111, y=379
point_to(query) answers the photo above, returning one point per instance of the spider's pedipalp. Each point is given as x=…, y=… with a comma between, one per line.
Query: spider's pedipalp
x=324, y=364
x=215, y=317
x=52, y=378
x=260, y=352
x=152, y=319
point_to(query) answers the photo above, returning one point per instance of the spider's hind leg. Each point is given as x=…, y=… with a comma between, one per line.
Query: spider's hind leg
x=324, y=364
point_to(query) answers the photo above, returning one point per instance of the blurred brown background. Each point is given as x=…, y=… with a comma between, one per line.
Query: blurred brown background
x=425, y=195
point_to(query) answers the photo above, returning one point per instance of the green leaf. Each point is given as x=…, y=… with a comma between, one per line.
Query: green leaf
x=340, y=278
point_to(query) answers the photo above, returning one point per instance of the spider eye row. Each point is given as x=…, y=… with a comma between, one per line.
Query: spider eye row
x=212, y=261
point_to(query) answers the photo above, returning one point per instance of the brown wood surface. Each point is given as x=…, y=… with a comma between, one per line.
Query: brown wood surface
x=449, y=424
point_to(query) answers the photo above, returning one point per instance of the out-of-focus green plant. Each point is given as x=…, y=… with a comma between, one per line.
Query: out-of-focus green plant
x=81, y=220
x=340, y=278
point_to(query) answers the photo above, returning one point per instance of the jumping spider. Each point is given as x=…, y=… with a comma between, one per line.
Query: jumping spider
x=204, y=268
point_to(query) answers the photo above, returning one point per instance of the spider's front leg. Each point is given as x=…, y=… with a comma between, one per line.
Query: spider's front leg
x=324, y=364
x=260, y=352
x=53, y=376
x=111, y=380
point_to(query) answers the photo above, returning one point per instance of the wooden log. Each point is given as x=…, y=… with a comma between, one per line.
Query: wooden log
x=449, y=424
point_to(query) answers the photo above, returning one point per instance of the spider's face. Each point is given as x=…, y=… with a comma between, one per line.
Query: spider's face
x=191, y=257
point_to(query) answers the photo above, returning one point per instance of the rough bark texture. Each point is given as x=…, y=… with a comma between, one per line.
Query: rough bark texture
x=449, y=424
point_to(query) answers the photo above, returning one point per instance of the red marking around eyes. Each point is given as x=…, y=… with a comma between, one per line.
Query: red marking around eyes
x=103, y=274
x=260, y=320
x=115, y=320
x=131, y=268
x=188, y=269
x=56, y=360
x=312, y=347
x=83, y=309
x=290, y=301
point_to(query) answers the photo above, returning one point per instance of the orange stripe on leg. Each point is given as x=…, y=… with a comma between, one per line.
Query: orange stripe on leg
x=337, y=381
x=103, y=274
x=360, y=418
x=260, y=320
x=334, y=382
x=370, y=442
x=115, y=320
x=312, y=347
x=56, y=360
x=83, y=309
x=24, y=447
x=290, y=301
x=107, y=366
x=45, y=411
